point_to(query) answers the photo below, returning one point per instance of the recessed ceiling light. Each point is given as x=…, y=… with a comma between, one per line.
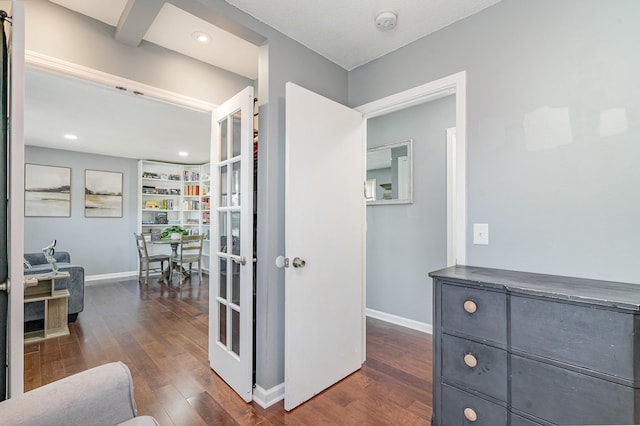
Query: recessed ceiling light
x=70, y=137
x=201, y=37
x=183, y=154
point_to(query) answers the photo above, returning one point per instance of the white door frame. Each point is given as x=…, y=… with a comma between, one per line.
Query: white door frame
x=53, y=65
x=15, y=177
x=452, y=84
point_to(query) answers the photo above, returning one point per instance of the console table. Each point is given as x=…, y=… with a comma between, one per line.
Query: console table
x=515, y=348
x=41, y=288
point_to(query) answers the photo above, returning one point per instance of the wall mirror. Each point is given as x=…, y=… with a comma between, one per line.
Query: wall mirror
x=390, y=174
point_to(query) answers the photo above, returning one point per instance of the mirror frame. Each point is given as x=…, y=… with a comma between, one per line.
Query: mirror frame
x=409, y=144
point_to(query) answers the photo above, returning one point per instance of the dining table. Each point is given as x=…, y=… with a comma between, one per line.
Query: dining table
x=174, y=242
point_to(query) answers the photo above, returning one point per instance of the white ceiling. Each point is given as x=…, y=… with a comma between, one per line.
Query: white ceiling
x=110, y=122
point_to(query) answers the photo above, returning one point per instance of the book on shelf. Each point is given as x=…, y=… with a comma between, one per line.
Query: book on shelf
x=192, y=190
x=191, y=176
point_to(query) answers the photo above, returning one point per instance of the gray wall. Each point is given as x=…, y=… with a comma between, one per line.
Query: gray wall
x=101, y=245
x=553, y=130
x=406, y=241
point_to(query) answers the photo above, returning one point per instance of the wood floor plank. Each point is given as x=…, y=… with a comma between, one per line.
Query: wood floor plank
x=210, y=411
x=161, y=333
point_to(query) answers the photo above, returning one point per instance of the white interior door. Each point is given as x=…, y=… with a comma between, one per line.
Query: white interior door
x=325, y=211
x=231, y=260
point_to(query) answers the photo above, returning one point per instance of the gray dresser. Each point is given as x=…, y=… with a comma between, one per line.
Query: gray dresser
x=514, y=348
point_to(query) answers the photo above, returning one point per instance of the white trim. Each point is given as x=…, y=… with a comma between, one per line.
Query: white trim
x=455, y=83
x=58, y=66
x=15, y=207
x=401, y=321
x=113, y=276
x=266, y=398
x=424, y=93
x=451, y=192
x=93, y=279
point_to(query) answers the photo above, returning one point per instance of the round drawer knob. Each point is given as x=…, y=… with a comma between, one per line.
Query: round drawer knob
x=470, y=414
x=470, y=306
x=470, y=360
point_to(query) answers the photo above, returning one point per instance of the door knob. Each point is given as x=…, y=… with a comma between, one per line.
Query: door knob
x=282, y=262
x=239, y=259
x=299, y=263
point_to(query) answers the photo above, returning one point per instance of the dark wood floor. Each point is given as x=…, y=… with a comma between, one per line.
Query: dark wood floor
x=161, y=334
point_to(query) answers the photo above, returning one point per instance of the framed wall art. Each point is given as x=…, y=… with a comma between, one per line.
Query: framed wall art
x=102, y=193
x=47, y=191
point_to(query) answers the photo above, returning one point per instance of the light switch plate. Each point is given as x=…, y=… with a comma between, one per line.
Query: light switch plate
x=481, y=234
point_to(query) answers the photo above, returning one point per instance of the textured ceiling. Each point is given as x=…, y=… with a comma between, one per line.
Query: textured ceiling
x=344, y=31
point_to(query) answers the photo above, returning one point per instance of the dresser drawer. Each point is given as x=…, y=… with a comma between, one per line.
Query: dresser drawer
x=460, y=408
x=593, y=338
x=475, y=312
x=473, y=365
x=563, y=396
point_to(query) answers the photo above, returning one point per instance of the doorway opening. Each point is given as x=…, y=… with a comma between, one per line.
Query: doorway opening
x=385, y=125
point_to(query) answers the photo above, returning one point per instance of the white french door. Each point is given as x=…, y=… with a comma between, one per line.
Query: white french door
x=324, y=240
x=231, y=261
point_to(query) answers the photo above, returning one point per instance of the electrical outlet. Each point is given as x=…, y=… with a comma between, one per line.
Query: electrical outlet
x=481, y=234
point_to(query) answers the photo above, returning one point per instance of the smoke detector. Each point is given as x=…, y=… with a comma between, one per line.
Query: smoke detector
x=386, y=21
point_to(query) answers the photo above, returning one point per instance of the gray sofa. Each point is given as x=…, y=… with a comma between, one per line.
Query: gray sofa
x=75, y=284
x=99, y=396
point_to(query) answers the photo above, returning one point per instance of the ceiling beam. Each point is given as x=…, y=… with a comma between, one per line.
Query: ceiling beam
x=136, y=18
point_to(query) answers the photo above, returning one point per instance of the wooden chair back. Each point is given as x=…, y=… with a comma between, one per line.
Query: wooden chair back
x=191, y=248
x=141, y=245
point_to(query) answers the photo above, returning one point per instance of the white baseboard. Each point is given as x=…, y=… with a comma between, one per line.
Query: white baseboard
x=95, y=279
x=404, y=322
x=266, y=398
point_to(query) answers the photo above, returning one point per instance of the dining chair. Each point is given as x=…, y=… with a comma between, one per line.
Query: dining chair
x=190, y=253
x=145, y=260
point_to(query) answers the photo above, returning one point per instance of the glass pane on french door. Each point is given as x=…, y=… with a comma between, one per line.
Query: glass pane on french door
x=229, y=215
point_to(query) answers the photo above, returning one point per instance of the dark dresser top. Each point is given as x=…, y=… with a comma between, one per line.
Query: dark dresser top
x=604, y=293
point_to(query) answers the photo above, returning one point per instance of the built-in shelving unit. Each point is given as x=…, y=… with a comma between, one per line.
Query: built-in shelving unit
x=174, y=194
